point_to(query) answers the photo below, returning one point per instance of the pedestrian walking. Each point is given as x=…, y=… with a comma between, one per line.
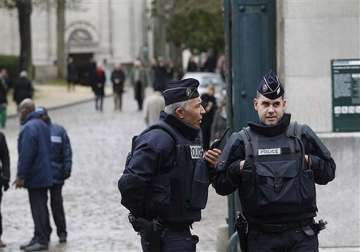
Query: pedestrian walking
x=23, y=88
x=3, y=97
x=34, y=172
x=4, y=176
x=210, y=106
x=274, y=164
x=219, y=124
x=99, y=88
x=160, y=74
x=61, y=163
x=165, y=182
x=139, y=82
x=72, y=75
x=192, y=66
x=154, y=104
x=118, y=80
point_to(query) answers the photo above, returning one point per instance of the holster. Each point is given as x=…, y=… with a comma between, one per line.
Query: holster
x=318, y=226
x=150, y=231
x=242, y=229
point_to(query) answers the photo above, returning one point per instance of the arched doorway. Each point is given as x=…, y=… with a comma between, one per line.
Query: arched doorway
x=82, y=46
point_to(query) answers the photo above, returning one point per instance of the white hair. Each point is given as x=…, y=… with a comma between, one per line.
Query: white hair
x=171, y=108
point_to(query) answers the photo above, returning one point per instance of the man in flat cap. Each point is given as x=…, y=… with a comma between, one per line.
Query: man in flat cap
x=275, y=164
x=165, y=181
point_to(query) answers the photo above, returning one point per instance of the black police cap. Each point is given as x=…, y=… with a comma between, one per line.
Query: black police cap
x=181, y=90
x=270, y=86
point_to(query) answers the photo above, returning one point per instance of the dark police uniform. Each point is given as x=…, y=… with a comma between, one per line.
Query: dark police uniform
x=276, y=185
x=165, y=177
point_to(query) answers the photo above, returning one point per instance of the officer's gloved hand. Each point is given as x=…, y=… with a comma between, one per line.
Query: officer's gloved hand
x=248, y=164
x=4, y=183
x=6, y=186
x=67, y=175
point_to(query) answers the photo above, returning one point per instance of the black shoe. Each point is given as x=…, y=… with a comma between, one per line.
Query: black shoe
x=31, y=242
x=36, y=247
x=62, y=238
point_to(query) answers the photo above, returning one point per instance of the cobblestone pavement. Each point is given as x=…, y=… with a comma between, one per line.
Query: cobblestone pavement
x=96, y=220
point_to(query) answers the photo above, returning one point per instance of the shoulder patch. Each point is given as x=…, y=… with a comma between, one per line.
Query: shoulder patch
x=56, y=139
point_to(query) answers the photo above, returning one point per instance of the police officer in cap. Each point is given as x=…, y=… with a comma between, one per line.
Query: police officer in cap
x=275, y=164
x=165, y=181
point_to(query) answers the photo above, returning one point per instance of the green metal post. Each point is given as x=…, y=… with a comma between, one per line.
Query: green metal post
x=250, y=38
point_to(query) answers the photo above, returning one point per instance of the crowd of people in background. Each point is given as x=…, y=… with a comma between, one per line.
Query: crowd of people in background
x=155, y=75
x=23, y=89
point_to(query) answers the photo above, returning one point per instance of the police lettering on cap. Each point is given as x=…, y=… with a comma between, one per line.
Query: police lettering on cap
x=181, y=90
x=270, y=86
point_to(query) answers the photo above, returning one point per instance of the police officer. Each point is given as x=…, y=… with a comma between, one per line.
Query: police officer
x=165, y=181
x=275, y=165
x=61, y=163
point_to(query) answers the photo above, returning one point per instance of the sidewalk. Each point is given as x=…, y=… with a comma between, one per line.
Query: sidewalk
x=55, y=96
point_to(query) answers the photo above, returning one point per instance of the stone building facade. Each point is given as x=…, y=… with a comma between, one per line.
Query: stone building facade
x=111, y=31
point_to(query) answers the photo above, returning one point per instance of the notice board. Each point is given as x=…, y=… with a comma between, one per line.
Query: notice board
x=346, y=95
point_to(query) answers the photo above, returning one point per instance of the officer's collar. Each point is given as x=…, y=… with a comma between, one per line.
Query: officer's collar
x=273, y=130
x=186, y=130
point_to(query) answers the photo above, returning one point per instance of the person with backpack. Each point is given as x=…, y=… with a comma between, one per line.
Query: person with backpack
x=165, y=181
x=274, y=164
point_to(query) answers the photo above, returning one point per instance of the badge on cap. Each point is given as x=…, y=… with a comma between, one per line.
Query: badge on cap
x=264, y=88
x=188, y=92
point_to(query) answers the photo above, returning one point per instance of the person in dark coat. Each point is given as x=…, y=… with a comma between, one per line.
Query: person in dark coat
x=219, y=124
x=192, y=65
x=161, y=76
x=61, y=163
x=34, y=172
x=139, y=80
x=72, y=75
x=118, y=80
x=274, y=164
x=210, y=106
x=4, y=176
x=99, y=88
x=158, y=185
x=23, y=88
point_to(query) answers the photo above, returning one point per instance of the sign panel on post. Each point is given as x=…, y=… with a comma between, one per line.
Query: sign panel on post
x=346, y=94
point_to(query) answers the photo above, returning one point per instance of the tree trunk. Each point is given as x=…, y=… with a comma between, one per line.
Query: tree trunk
x=61, y=59
x=24, y=8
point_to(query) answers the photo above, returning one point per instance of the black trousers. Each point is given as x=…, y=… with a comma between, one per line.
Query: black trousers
x=38, y=203
x=175, y=241
x=294, y=240
x=99, y=101
x=1, y=227
x=57, y=209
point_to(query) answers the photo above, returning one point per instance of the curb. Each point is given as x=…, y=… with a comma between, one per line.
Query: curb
x=63, y=105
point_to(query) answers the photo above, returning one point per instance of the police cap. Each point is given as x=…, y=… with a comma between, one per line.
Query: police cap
x=181, y=90
x=41, y=110
x=270, y=86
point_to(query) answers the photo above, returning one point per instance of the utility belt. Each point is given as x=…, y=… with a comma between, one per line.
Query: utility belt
x=279, y=228
x=151, y=230
x=178, y=227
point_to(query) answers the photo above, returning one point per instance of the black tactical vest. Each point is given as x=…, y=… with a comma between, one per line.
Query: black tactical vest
x=180, y=194
x=279, y=181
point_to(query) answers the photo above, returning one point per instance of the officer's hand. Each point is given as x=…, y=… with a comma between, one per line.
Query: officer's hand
x=6, y=186
x=67, y=175
x=19, y=183
x=212, y=156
